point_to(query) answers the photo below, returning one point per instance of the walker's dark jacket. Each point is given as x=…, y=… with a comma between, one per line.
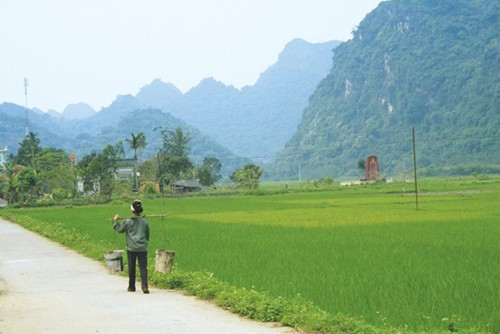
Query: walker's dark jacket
x=136, y=232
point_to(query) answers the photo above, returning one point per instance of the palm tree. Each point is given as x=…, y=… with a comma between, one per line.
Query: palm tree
x=138, y=142
x=175, y=143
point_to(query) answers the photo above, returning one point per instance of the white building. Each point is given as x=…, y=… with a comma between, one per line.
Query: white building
x=3, y=155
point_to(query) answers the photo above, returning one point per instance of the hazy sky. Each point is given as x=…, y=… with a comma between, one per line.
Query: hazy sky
x=93, y=50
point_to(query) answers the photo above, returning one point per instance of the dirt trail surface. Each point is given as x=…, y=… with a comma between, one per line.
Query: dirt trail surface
x=46, y=288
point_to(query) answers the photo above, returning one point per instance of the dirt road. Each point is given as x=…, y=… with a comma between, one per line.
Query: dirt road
x=46, y=288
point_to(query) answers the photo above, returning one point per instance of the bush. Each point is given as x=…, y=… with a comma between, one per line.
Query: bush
x=150, y=188
x=324, y=181
x=60, y=194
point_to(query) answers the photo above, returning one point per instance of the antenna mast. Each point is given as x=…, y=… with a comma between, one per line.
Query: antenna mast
x=26, y=104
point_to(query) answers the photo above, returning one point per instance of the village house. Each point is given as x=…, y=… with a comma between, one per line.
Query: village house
x=125, y=170
x=185, y=186
x=3, y=156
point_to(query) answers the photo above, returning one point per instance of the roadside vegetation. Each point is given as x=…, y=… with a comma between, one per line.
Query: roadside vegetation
x=316, y=256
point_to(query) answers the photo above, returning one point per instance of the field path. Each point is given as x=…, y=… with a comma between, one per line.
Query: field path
x=46, y=288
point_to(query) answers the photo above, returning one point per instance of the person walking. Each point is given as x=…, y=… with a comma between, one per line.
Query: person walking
x=136, y=231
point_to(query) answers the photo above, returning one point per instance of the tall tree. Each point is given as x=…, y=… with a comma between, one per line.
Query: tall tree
x=175, y=143
x=34, y=167
x=18, y=183
x=10, y=183
x=362, y=166
x=28, y=149
x=248, y=176
x=209, y=172
x=55, y=170
x=173, y=160
x=137, y=142
x=98, y=170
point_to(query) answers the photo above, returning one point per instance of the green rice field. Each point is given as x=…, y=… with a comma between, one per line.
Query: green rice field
x=364, y=251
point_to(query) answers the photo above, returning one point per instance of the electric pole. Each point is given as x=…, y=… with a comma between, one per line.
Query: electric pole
x=26, y=104
x=300, y=176
x=414, y=165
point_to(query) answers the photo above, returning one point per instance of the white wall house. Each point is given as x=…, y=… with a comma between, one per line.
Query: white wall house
x=3, y=156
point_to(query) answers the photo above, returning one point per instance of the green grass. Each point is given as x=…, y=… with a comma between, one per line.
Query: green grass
x=363, y=251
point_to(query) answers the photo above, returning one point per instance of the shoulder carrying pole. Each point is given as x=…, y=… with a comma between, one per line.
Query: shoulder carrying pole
x=143, y=216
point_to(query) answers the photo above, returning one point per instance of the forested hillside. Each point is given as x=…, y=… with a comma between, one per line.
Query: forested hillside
x=12, y=127
x=110, y=126
x=432, y=65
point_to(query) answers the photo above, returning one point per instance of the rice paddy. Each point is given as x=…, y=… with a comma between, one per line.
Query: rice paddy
x=364, y=251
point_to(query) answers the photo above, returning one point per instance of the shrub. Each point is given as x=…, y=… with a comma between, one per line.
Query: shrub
x=324, y=181
x=60, y=194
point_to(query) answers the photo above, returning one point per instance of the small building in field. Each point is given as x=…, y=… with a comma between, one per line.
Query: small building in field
x=185, y=186
x=372, y=169
x=125, y=170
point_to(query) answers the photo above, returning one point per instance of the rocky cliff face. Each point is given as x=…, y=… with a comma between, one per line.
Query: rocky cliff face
x=420, y=63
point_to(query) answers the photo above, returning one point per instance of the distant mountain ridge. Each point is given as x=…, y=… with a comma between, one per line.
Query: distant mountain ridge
x=78, y=111
x=159, y=95
x=12, y=127
x=253, y=122
x=257, y=120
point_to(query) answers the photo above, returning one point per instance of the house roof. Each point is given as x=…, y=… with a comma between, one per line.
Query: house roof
x=188, y=183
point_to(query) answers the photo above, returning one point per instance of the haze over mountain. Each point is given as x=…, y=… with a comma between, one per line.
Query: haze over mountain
x=432, y=65
x=258, y=120
x=74, y=111
x=253, y=122
x=13, y=121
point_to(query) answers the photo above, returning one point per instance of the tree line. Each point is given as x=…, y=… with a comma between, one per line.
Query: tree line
x=36, y=173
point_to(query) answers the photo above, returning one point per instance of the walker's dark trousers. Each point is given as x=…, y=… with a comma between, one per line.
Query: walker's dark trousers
x=143, y=268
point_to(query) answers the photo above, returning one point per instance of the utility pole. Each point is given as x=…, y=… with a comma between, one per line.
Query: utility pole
x=136, y=174
x=414, y=165
x=300, y=176
x=26, y=104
